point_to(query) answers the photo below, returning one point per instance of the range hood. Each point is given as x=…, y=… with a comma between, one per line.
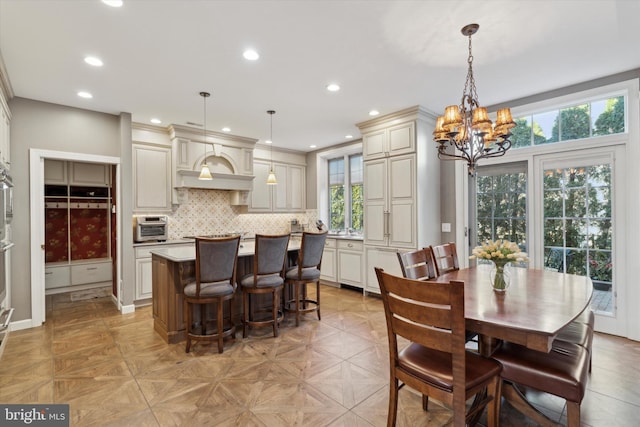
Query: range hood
x=220, y=181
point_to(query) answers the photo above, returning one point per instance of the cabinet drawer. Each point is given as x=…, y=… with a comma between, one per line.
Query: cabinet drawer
x=90, y=273
x=145, y=251
x=330, y=243
x=57, y=277
x=350, y=245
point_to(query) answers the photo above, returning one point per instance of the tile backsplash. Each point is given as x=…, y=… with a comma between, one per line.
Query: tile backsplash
x=210, y=212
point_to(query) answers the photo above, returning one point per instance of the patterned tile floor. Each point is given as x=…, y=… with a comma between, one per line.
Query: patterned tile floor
x=114, y=370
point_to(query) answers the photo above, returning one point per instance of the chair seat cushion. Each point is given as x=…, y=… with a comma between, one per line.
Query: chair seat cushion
x=265, y=281
x=577, y=333
x=435, y=367
x=310, y=274
x=212, y=289
x=561, y=372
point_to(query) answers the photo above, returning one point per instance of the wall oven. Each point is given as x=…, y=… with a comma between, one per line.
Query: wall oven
x=6, y=243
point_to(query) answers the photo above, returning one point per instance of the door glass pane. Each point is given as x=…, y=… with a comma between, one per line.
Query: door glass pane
x=578, y=227
x=500, y=206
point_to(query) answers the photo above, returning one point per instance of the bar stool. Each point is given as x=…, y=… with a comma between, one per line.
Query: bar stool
x=306, y=271
x=215, y=283
x=267, y=278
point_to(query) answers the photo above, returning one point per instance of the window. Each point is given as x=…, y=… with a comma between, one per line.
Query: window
x=585, y=120
x=501, y=205
x=345, y=193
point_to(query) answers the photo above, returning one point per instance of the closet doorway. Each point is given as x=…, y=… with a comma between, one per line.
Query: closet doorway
x=80, y=272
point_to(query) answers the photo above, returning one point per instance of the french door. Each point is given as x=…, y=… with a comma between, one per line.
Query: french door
x=566, y=211
x=579, y=225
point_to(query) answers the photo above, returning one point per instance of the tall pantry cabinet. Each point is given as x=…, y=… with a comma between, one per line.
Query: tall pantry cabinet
x=77, y=225
x=401, y=188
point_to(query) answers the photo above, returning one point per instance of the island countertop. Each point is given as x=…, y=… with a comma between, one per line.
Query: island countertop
x=188, y=252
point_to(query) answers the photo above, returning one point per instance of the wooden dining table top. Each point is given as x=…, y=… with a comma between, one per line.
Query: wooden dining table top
x=536, y=305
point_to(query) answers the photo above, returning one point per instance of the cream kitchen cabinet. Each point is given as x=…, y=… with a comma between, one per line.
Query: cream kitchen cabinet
x=384, y=258
x=151, y=178
x=144, y=283
x=80, y=174
x=89, y=174
x=328, y=270
x=288, y=195
x=389, y=141
x=390, y=202
x=401, y=195
x=350, y=262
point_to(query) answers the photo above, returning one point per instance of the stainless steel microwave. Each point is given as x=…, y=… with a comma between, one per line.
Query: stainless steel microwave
x=150, y=228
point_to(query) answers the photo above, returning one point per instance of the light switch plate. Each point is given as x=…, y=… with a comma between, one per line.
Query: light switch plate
x=446, y=227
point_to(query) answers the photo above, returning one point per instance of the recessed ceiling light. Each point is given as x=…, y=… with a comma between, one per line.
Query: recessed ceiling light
x=251, y=55
x=348, y=136
x=313, y=146
x=333, y=87
x=156, y=121
x=113, y=3
x=85, y=95
x=268, y=141
x=92, y=60
x=226, y=129
x=374, y=112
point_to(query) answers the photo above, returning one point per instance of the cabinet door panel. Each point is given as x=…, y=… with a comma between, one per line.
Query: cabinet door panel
x=402, y=177
x=350, y=268
x=152, y=184
x=296, y=188
x=92, y=174
x=401, y=139
x=55, y=172
x=373, y=145
x=402, y=224
x=328, y=267
x=383, y=258
x=281, y=189
x=144, y=280
x=375, y=223
x=261, y=193
x=375, y=176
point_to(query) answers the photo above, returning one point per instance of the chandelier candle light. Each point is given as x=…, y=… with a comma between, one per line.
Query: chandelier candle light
x=271, y=179
x=205, y=173
x=467, y=127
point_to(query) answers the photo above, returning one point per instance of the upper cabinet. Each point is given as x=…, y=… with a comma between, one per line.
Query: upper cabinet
x=289, y=194
x=60, y=172
x=389, y=141
x=151, y=178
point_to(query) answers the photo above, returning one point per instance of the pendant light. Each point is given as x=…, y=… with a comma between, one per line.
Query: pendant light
x=205, y=173
x=271, y=179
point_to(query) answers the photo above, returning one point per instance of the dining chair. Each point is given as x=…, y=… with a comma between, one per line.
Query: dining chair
x=215, y=283
x=446, y=257
x=267, y=278
x=307, y=270
x=431, y=316
x=417, y=264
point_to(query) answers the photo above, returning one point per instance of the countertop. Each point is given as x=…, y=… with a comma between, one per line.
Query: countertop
x=188, y=253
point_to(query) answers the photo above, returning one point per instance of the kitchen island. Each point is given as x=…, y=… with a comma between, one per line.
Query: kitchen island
x=173, y=268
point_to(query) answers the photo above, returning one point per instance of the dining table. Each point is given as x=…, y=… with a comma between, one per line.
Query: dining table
x=536, y=305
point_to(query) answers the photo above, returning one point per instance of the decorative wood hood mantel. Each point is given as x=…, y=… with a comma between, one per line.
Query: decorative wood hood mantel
x=230, y=159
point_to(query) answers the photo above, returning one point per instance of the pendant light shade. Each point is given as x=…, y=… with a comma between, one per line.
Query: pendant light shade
x=271, y=179
x=205, y=173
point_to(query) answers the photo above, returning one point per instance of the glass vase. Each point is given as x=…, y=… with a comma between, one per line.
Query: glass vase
x=499, y=277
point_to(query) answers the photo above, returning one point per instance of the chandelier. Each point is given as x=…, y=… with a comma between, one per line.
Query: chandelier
x=467, y=129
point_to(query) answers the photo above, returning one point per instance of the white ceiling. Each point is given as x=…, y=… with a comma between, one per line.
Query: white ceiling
x=386, y=55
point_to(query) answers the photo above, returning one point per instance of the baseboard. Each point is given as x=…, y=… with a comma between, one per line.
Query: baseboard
x=127, y=309
x=22, y=324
